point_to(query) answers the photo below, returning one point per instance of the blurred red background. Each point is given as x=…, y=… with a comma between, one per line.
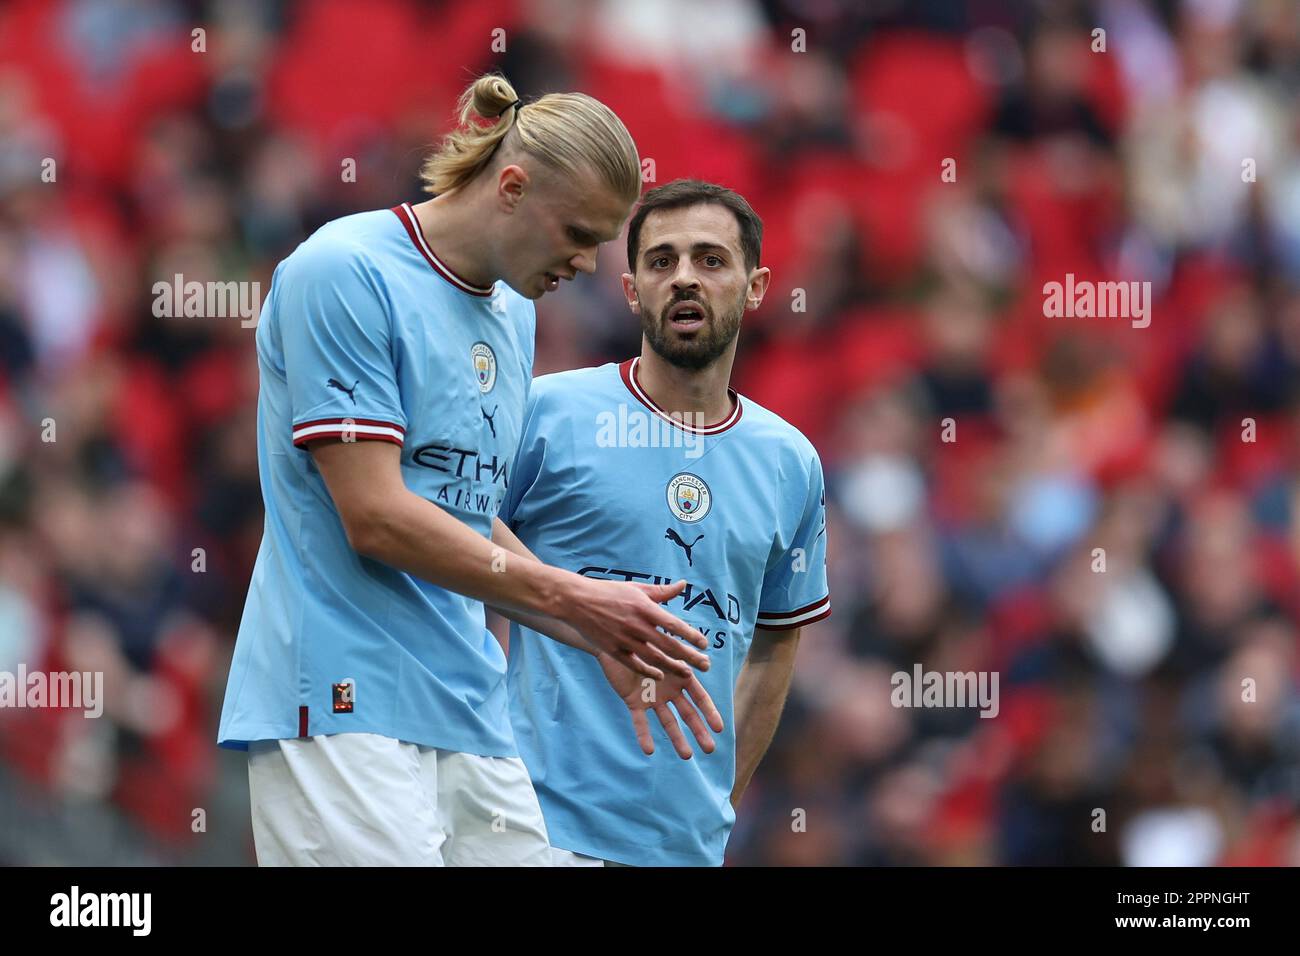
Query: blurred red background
x=901, y=299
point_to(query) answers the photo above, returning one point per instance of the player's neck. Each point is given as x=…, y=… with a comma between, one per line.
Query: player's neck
x=700, y=392
x=453, y=230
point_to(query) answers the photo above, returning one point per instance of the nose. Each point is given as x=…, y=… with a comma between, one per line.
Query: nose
x=585, y=261
x=685, y=279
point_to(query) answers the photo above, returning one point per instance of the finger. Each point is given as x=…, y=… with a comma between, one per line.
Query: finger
x=665, y=715
x=694, y=721
x=704, y=703
x=633, y=661
x=662, y=593
x=650, y=652
x=680, y=628
x=677, y=667
x=676, y=649
x=652, y=668
x=642, y=727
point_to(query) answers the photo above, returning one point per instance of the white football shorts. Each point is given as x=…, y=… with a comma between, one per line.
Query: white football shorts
x=370, y=800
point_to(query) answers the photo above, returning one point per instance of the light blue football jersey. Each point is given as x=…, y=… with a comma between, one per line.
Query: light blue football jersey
x=608, y=486
x=367, y=335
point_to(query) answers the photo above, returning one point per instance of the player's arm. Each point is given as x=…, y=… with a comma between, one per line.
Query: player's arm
x=761, y=690
x=386, y=521
x=795, y=594
x=552, y=627
x=639, y=692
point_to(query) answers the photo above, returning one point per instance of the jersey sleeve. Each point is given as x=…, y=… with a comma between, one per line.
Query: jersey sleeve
x=795, y=592
x=338, y=354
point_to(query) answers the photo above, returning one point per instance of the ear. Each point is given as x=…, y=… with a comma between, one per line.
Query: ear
x=513, y=183
x=629, y=290
x=758, y=283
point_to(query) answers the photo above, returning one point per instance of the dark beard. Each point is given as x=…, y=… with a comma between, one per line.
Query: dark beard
x=715, y=335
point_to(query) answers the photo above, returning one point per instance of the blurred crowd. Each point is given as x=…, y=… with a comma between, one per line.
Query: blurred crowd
x=1104, y=515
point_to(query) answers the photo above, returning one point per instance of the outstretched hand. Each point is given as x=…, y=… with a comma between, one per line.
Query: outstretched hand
x=685, y=693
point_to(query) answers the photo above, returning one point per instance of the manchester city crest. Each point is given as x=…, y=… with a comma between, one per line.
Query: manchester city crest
x=485, y=366
x=689, y=498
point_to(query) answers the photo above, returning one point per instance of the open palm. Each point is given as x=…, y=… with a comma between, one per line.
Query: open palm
x=686, y=694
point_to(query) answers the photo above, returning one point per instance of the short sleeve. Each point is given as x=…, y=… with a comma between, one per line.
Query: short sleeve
x=336, y=333
x=795, y=592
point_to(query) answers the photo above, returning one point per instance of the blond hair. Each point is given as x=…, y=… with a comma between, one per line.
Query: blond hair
x=569, y=132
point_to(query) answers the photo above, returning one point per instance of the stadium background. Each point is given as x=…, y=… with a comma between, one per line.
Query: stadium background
x=922, y=301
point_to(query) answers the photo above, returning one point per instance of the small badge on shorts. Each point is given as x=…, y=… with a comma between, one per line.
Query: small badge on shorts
x=345, y=696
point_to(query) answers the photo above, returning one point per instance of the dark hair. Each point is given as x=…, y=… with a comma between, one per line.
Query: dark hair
x=682, y=193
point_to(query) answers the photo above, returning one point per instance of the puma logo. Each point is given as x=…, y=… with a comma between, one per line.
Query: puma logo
x=335, y=383
x=491, y=424
x=672, y=536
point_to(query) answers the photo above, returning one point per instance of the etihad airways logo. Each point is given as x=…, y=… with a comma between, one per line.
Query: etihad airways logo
x=466, y=463
x=462, y=462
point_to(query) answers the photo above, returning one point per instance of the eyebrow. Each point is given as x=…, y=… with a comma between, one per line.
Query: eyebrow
x=696, y=247
x=587, y=233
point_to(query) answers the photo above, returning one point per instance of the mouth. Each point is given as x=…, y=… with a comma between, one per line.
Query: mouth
x=686, y=316
x=551, y=280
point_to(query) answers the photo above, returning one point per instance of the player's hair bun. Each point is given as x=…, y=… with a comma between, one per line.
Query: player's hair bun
x=569, y=132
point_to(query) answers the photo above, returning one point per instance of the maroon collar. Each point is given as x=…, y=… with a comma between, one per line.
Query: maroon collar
x=407, y=215
x=628, y=372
